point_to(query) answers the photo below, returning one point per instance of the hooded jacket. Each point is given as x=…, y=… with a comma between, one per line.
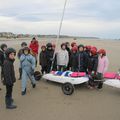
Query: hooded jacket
x=62, y=58
x=8, y=72
x=34, y=46
x=82, y=61
x=93, y=63
x=2, y=57
x=102, y=64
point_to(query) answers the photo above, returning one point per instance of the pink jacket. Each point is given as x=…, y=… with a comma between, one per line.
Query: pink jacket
x=102, y=64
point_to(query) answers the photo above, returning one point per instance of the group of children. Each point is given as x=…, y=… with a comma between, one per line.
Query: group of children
x=28, y=61
x=77, y=58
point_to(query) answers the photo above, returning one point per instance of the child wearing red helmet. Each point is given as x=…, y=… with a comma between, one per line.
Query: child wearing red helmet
x=92, y=66
x=103, y=63
x=87, y=52
x=73, y=44
x=73, y=59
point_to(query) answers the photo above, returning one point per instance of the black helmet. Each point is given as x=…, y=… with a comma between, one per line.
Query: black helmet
x=37, y=75
x=81, y=46
x=26, y=48
x=49, y=45
x=3, y=46
x=23, y=44
x=63, y=44
x=9, y=51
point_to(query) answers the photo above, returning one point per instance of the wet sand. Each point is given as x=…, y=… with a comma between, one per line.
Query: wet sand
x=47, y=102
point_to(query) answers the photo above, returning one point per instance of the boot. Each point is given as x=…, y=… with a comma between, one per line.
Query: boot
x=33, y=85
x=9, y=104
x=100, y=85
x=12, y=100
x=24, y=92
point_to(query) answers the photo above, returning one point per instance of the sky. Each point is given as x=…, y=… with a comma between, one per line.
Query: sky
x=88, y=18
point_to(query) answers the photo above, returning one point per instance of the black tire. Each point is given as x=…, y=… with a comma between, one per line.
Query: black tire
x=67, y=88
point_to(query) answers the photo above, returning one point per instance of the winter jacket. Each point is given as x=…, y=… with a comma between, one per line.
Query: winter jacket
x=69, y=54
x=2, y=57
x=62, y=58
x=34, y=46
x=27, y=62
x=82, y=61
x=73, y=60
x=43, y=58
x=102, y=64
x=8, y=72
x=49, y=55
x=93, y=63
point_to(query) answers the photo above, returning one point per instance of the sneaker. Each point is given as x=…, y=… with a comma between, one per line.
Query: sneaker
x=34, y=85
x=23, y=92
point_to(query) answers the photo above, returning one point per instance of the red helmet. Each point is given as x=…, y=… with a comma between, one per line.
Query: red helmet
x=93, y=51
x=102, y=51
x=75, y=48
x=73, y=43
x=94, y=48
x=88, y=47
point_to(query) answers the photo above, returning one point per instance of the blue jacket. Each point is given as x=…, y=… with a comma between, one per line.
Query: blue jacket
x=27, y=61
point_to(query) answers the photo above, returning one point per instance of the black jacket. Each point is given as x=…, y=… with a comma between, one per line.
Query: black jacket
x=43, y=58
x=49, y=56
x=73, y=60
x=82, y=61
x=93, y=63
x=2, y=58
x=87, y=53
x=9, y=73
x=69, y=53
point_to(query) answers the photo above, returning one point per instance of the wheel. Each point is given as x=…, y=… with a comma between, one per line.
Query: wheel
x=67, y=88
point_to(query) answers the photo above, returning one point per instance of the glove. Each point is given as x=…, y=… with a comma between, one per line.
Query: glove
x=65, y=67
x=32, y=72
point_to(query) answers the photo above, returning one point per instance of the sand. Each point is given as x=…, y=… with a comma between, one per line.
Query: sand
x=47, y=102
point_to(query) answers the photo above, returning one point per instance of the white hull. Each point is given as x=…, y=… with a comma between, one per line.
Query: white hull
x=62, y=79
x=78, y=80
x=113, y=82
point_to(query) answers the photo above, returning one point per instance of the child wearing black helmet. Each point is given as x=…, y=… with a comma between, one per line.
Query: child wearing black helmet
x=43, y=59
x=49, y=56
x=2, y=58
x=9, y=77
x=23, y=44
x=81, y=59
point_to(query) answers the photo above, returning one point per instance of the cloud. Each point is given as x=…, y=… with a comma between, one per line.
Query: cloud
x=85, y=18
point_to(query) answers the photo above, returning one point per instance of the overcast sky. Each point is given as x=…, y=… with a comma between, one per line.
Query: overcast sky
x=99, y=18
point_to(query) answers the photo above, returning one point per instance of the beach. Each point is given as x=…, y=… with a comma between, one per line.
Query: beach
x=47, y=102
